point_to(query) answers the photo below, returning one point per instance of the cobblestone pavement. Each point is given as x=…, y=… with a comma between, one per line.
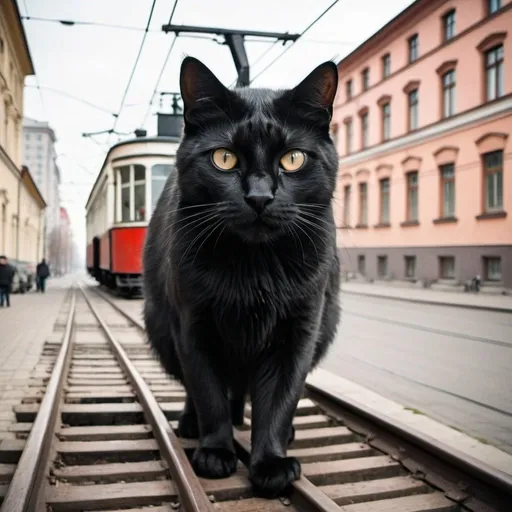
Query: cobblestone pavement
x=24, y=327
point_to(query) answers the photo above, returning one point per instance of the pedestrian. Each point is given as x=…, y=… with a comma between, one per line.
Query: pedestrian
x=6, y=278
x=42, y=274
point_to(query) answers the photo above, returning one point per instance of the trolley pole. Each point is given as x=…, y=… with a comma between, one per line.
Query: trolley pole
x=235, y=40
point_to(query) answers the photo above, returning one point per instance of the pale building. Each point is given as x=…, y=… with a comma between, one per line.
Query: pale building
x=40, y=157
x=21, y=204
x=422, y=124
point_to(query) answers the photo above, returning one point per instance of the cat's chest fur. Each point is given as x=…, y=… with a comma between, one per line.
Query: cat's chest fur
x=250, y=298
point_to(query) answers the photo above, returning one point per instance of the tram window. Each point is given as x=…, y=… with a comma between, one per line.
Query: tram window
x=159, y=174
x=140, y=173
x=125, y=204
x=125, y=174
x=140, y=201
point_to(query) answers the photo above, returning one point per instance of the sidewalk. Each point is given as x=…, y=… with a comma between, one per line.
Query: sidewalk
x=416, y=423
x=24, y=327
x=499, y=303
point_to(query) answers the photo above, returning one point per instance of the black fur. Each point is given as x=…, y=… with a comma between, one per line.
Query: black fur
x=237, y=301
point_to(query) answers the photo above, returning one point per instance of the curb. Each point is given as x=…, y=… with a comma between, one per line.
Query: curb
x=494, y=309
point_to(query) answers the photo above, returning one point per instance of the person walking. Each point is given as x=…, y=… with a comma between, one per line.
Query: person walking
x=6, y=278
x=42, y=274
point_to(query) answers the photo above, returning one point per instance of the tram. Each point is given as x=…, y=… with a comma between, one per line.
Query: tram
x=122, y=200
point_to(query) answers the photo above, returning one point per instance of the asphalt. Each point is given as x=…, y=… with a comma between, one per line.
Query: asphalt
x=450, y=363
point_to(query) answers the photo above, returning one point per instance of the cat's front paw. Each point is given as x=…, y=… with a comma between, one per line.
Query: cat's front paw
x=188, y=427
x=214, y=462
x=271, y=477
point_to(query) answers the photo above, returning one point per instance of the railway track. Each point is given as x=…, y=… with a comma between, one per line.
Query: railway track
x=96, y=432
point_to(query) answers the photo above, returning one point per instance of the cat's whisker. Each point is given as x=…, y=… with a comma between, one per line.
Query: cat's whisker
x=316, y=217
x=192, y=243
x=205, y=216
x=219, y=223
x=291, y=230
x=306, y=221
x=194, y=225
x=167, y=228
x=312, y=243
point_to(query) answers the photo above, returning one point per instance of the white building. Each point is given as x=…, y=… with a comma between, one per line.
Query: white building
x=40, y=157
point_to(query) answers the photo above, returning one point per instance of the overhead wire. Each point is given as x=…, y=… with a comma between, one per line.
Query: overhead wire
x=38, y=85
x=160, y=75
x=134, y=67
x=314, y=22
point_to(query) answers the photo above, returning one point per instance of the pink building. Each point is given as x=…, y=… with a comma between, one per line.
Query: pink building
x=422, y=125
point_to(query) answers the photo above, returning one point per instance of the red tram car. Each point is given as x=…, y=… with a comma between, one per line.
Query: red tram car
x=121, y=202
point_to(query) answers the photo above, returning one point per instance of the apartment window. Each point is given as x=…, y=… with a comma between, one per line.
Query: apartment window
x=413, y=48
x=334, y=136
x=39, y=136
x=449, y=93
x=363, y=204
x=364, y=129
x=447, y=267
x=447, y=190
x=349, y=89
x=366, y=78
x=493, y=6
x=346, y=205
x=410, y=267
x=493, y=181
x=382, y=266
x=413, y=109
x=492, y=268
x=384, y=201
x=348, y=136
x=386, y=121
x=386, y=66
x=494, y=76
x=27, y=136
x=449, y=25
x=412, y=196
x=361, y=264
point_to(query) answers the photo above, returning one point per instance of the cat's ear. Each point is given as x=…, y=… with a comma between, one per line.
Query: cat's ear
x=201, y=91
x=316, y=93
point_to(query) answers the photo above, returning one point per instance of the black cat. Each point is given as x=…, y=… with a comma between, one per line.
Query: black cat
x=241, y=272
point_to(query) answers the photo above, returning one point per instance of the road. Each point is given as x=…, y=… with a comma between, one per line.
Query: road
x=452, y=364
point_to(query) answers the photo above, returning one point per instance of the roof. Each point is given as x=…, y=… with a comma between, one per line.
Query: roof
x=175, y=140
x=389, y=31
x=33, y=125
x=12, y=9
x=31, y=186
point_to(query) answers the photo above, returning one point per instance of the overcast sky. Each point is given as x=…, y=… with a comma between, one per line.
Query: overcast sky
x=94, y=63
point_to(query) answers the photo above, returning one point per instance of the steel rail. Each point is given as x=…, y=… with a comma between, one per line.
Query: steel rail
x=310, y=496
x=25, y=486
x=464, y=463
x=192, y=496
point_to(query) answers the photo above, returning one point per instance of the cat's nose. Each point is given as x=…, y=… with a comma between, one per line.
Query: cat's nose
x=258, y=202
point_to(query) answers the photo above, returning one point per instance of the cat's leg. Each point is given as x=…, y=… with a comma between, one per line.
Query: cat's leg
x=188, y=426
x=275, y=394
x=215, y=457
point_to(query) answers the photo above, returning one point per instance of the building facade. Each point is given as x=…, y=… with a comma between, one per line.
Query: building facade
x=40, y=157
x=21, y=204
x=422, y=124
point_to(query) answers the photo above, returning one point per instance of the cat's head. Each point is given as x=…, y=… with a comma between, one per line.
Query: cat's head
x=261, y=159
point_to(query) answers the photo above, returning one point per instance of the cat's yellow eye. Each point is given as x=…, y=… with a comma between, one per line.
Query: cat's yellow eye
x=224, y=159
x=293, y=160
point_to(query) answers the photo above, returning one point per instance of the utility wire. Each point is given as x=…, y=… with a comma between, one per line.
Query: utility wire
x=316, y=20
x=148, y=111
x=43, y=107
x=134, y=67
x=70, y=96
